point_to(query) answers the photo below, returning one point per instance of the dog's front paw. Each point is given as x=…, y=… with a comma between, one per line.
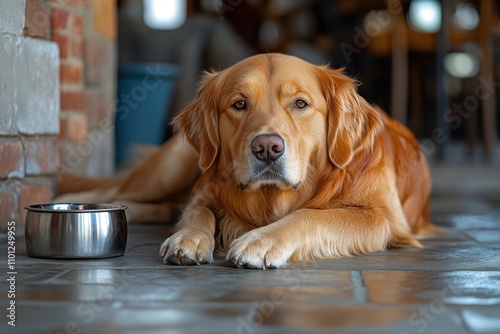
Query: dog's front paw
x=259, y=250
x=188, y=247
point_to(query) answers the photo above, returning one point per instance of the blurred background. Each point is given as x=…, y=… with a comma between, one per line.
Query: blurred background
x=85, y=81
x=430, y=64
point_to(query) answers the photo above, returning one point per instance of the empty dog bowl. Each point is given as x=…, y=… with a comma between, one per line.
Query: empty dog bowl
x=75, y=231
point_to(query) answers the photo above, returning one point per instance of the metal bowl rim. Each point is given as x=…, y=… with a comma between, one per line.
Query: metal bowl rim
x=92, y=207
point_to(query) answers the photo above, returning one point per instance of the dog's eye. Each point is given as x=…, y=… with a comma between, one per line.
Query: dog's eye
x=301, y=104
x=239, y=105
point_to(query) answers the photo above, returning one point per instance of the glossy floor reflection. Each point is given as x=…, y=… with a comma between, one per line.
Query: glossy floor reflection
x=451, y=286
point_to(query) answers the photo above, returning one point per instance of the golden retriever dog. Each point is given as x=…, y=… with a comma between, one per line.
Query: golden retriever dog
x=289, y=165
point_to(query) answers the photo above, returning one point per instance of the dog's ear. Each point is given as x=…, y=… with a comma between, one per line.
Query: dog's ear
x=352, y=122
x=199, y=121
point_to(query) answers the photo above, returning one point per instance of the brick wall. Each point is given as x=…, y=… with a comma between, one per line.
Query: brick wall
x=85, y=32
x=57, y=82
x=29, y=113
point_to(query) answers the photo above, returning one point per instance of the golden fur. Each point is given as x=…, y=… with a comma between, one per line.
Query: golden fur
x=348, y=180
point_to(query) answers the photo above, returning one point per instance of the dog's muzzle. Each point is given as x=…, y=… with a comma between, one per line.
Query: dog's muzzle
x=268, y=148
x=268, y=165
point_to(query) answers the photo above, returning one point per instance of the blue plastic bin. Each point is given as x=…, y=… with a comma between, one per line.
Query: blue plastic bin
x=144, y=96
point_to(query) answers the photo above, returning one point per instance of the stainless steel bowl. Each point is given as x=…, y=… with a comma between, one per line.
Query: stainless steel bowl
x=76, y=231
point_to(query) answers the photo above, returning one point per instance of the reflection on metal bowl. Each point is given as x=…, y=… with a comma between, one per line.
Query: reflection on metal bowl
x=75, y=230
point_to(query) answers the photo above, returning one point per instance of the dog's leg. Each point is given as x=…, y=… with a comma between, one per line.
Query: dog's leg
x=308, y=234
x=194, y=243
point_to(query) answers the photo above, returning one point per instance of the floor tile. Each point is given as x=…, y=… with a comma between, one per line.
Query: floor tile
x=415, y=287
x=361, y=319
x=450, y=286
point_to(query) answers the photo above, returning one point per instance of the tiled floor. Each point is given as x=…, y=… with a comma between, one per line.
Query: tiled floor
x=452, y=286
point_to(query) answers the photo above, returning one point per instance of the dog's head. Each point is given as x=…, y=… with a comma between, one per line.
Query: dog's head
x=270, y=118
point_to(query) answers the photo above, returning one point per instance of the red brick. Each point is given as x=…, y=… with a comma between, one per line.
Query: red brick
x=74, y=127
x=37, y=19
x=62, y=41
x=41, y=156
x=73, y=100
x=100, y=106
x=75, y=156
x=59, y=19
x=99, y=61
x=33, y=194
x=76, y=47
x=71, y=73
x=85, y=3
x=11, y=159
x=63, y=159
x=76, y=24
x=9, y=193
x=66, y=162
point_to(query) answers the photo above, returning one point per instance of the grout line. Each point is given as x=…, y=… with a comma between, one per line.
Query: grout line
x=359, y=287
x=58, y=275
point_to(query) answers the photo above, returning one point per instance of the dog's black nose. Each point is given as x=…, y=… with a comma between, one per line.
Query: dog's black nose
x=268, y=147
